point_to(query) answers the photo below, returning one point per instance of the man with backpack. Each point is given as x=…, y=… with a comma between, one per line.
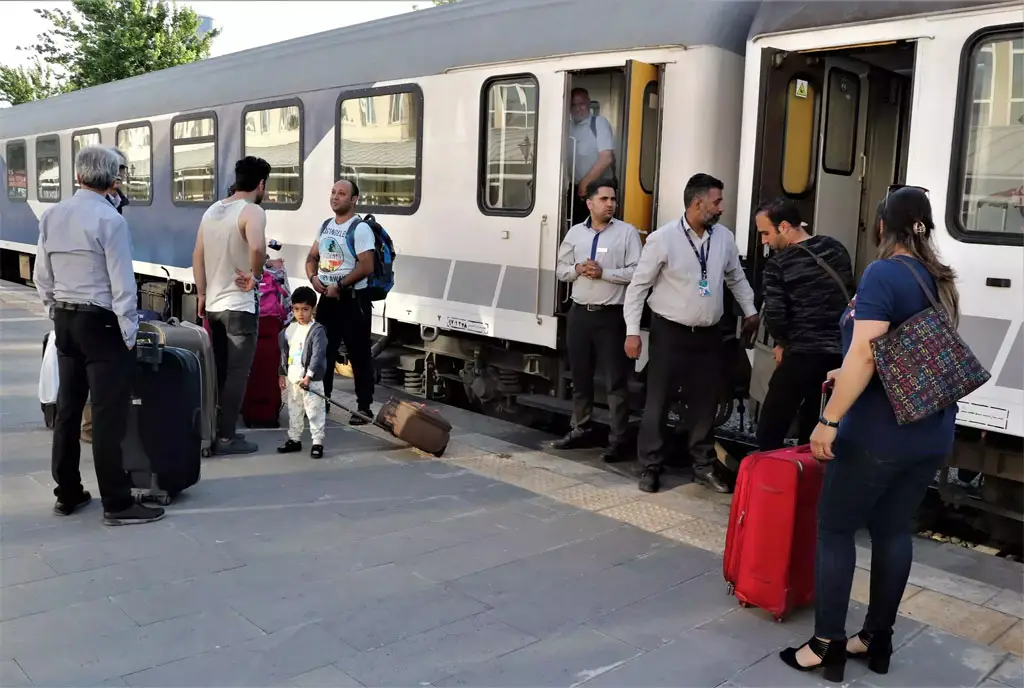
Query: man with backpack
x=349, y=265
x=594, y=152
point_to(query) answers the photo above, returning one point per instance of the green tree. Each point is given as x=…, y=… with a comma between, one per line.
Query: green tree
x=22, y=84
x=100, y=41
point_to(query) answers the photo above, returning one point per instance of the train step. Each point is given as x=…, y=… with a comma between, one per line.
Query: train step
x=564, y=407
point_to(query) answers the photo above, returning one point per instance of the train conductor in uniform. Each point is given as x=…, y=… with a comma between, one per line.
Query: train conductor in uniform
x=685, y=266
x=598, y=257
x=593, y=155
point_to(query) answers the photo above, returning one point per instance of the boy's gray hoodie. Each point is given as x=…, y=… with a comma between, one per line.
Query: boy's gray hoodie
x=314, y=351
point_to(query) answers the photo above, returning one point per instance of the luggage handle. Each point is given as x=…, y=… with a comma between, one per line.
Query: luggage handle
x=369, y=418
x=827, y=388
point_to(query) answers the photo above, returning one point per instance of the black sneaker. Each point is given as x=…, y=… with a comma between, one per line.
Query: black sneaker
x=317, y=451
x=136, y=513
x=62, y=508
x=710, y=480
x=362, y=417
x=236, y=446
x=289, y=447
x=577, y=438
x=650, y=481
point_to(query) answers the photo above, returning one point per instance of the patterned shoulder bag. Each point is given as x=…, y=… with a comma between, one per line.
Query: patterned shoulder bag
x=923, y=364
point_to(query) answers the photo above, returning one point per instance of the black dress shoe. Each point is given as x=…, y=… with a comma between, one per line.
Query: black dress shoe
x=289, y=447
x=66, y=508
x=710, y=480
x=879, y=650
x=650, y=481
x=577, y=438
x=614, y=454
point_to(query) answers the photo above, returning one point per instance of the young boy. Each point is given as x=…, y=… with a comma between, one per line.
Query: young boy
x=303, y=366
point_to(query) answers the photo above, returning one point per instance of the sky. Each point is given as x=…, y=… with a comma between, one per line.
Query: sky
x=244, y=24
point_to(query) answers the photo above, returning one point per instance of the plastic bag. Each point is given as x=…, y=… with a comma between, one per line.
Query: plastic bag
x=49, y=373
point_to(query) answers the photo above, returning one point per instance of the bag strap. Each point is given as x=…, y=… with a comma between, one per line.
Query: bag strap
x=924, y=287
x=350, y=235
x=827, y=268
x=593, y=126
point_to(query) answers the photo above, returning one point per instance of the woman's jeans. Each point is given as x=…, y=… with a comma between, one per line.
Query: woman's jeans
x=862, y=488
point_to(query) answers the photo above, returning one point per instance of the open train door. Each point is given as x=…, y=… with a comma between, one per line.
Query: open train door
x=639, y=173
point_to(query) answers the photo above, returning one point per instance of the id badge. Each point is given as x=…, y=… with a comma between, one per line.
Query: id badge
x=703, y=289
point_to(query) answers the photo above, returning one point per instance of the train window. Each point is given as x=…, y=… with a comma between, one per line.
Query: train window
x=79, y=140
x=194, y=159
x=48, y=169
x=986, y=191
x=378, y=144
x=273, y=131
x=649, y=138
x=799, y=136
x=136, y=142
x=841, y=114
x=508, y=162
x=17, y=171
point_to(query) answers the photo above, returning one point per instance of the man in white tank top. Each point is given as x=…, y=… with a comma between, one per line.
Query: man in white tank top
x=228, y=262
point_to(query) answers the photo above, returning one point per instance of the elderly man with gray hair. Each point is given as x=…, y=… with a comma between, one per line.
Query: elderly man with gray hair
x=84, y=275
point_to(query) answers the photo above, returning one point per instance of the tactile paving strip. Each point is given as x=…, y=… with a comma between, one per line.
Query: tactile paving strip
x=650, y=517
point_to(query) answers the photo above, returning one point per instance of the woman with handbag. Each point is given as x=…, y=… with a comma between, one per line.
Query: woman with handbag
x=886, y=430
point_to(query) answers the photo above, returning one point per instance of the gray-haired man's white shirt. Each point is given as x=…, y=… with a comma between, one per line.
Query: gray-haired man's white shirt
x=589, y=146
x=670, y=271
x=617, y=251
x=84, y=256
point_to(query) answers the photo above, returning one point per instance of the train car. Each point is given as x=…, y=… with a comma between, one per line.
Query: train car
x=843, y=99
x=454, y=122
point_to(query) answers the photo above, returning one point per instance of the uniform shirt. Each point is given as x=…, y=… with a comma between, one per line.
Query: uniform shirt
x=670, y=270
x=616, y=248
x=589, y=146
x=889, y=293
x=802, y=302
x=84, y=256
x=336, y=260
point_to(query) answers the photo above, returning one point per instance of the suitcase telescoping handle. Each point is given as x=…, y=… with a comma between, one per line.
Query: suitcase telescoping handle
x=369, y=418
x=826, y=392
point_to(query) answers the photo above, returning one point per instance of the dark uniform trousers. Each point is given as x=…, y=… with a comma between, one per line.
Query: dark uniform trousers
x=92, y=358
x=691, y=358
x=348, y=319
x=794, y=391
x=597, y=333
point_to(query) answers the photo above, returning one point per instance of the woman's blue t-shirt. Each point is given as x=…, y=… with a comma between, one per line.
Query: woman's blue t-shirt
x=888, y=292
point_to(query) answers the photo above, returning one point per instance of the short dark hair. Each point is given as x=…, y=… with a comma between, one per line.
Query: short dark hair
x=779, y=210
x=595, y=186
x=352, y=183
x=304, y=296
x=698, y=185
x=579, y=90
x=250, y=171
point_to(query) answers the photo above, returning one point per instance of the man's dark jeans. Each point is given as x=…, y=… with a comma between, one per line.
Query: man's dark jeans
x=233, y=336
x=863, y=488
x=348, y=319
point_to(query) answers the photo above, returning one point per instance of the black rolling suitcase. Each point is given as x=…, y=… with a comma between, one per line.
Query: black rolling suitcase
x=164, y=441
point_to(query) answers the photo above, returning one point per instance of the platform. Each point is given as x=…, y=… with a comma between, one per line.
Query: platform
x=504, y=564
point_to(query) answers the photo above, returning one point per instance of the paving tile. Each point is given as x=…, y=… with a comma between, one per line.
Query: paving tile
x=861, y=591
x=96, y=658
x=1010, y=672
x=328, y=676
x=270, y=660
x=24, y=569
x=1008, y=602
x=654, y=621
x=699, y=533
x=771, y=671
x=517, y=473
x=548, y=609
x=698, y=658
x=561, y=660
x=59, y=627
x=591, y=498
x=686, y=503
x=134, y=546
x=438, y=653
x=650, y=517
x=937, y=659
x=1012, y=641
x=756, y=628
x=956, y=616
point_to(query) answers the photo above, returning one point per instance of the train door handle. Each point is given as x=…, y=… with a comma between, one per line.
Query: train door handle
x=999, y=282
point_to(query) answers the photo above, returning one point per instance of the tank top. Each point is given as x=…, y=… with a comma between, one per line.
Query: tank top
x=225, y=251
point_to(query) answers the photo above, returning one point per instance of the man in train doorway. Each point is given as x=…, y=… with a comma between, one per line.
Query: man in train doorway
x=339, y=277
x=685, y=266
x=594, y=152
x=598, y=258
x=231, y=247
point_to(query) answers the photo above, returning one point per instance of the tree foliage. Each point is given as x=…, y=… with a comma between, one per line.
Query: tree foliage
x=100, y=41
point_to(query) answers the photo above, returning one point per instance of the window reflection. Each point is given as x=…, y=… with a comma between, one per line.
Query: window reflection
x=511, y=144
x=78, y=142
x=274, y=134
x=193, y=160
x=48, y=170
x=136, y=144
x=17, y=172
x=378, y=143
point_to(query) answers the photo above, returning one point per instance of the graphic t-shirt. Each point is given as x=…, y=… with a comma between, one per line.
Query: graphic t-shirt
x=296, y=336
x=336, y=260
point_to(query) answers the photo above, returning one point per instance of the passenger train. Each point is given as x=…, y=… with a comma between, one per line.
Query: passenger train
x=453, y=120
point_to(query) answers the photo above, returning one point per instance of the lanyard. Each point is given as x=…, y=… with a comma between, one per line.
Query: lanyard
x=702, y=254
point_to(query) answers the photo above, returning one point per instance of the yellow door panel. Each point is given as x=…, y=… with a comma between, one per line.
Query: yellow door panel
x=641, y=139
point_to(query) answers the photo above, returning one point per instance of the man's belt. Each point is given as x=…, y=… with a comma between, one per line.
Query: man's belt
x=81, y=307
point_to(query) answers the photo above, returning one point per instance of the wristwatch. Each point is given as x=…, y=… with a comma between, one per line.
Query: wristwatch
x=826, y=422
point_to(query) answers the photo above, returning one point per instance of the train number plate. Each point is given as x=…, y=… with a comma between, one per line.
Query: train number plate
x=473, y=326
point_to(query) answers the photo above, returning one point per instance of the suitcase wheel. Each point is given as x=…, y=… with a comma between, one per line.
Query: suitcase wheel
x=744, y=605
x=163, y=500
x=440, y=452
x=205, y=453
x=778, y=619
x=729, y=589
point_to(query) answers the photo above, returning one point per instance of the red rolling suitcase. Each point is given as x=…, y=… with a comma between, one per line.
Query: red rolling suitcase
x=261, y=407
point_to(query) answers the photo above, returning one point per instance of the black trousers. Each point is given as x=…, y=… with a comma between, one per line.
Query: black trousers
x=690, y=358
x=233, y=335
x=597, y=337
x=794, y=391
x=92, y=359
x=347, y=319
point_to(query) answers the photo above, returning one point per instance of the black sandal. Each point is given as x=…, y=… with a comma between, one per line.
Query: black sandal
x=317, y=451
x=879, y=650
x=831, y=653
x=289, y=447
